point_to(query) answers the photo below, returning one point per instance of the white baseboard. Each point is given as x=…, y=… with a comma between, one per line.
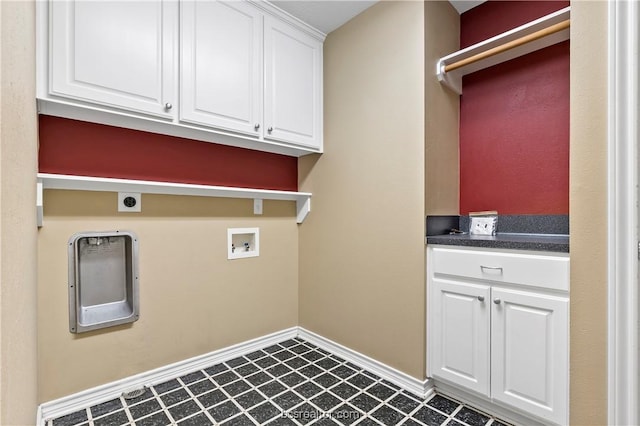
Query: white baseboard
x=99, y=394
x=423, y=388
x=106, y=392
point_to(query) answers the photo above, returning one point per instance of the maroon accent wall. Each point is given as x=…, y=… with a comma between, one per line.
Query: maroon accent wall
x=79, y=148
x=514, y=120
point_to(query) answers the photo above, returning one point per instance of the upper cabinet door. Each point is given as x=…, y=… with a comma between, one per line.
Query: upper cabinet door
x=529, y=355
x=293, y=85
x=118, y=54
x=221, y=65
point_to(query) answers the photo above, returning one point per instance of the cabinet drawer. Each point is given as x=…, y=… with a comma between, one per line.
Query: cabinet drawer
x=538, y=270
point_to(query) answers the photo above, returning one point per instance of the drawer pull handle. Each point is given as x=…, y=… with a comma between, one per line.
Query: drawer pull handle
x=481, y=298
x=491, y=268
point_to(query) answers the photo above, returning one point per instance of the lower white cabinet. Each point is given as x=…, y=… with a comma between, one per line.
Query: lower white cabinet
x=503, y=341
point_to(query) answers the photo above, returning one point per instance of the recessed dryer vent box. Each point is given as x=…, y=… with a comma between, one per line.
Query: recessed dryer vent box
x=103, y=280
x=243, y=242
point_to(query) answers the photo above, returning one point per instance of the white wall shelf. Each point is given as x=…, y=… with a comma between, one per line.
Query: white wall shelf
x=535, y=35
x=87, y=183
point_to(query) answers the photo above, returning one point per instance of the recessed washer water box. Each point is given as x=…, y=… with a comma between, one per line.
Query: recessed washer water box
x=103, y=280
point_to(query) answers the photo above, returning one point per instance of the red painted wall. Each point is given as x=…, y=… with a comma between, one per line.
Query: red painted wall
x=79, y=148
x=514, y=120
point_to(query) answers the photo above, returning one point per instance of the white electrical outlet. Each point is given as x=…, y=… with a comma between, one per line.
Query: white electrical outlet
x=129, y=202
x=257, y=206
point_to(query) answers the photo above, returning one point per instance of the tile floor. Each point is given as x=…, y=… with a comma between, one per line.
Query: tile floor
x=291, y=383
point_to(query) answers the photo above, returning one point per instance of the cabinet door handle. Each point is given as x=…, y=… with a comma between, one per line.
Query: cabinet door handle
x=256, y=126
x=270, y=129
x=497, y=301
x=168, y=106
x=481, y=298
x=491, y=268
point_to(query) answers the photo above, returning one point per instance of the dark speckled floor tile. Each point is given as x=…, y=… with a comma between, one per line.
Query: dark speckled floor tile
x=296, y=362
x=443, y=404
x=225, y=378
x=387, y=415
x=272, y=388
x=287, y=400
x=360, y=381
x=71, y=419
x=326, y=401
x=241, y=420
x=429, y=417
x=174, y=397
x=344, y=390
x=369, y=422
x=282, y=421
x=118, y=418
x=200, y=387
x=236, y=362
x=197, y=420
x=289, y=384
x=216, y=369
x=346, y=414
x=212, y=398
x=264, y=412
x=224, y=411
x=183, y=410
x=325, y=421
x=471, y=417
x=144, y=409
x=403, y=403
x=364, y=402
x=265, y=362
x=343, y=371
x=158, y=419
x=236, y=388
x=255, y=355
x=192, y=377
x=305, y=413
x=326, y=363
x=308, y=389
x=299, y=349
x=326, y=380
x=106, y=407
x=310, y=371
x=167, y=386
x=292, y=379
x=249, y=399
x=381, y=391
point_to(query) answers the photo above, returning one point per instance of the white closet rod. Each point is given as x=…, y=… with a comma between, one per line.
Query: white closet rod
x=508, y=46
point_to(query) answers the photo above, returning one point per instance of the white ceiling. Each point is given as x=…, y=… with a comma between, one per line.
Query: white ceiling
x=464, y=5
x=327, y=15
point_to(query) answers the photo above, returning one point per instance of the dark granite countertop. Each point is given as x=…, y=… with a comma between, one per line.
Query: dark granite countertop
x=514, y=241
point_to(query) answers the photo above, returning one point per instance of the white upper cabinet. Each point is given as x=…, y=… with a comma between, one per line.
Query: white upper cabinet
x=116, y=54
x=293, y=85
x=221, y=65
x=239, y=73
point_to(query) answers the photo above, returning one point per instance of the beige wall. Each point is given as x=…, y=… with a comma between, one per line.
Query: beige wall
x=588, y=212
x=192, y=299
x=362, y=278
x=442, y=111
x=18, y=148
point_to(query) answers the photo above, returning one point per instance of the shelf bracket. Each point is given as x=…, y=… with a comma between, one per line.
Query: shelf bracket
x=39, y=204
x=303, y=206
